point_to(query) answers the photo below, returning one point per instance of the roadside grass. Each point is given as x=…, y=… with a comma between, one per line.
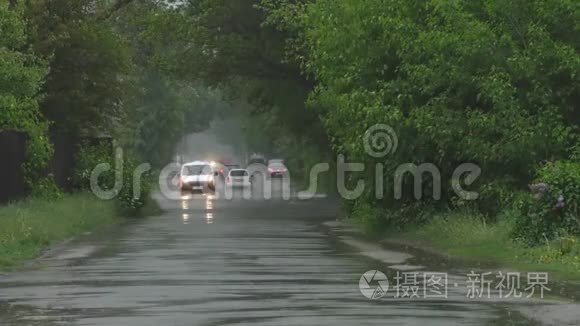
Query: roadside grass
x=150, y=208
x=27, y=227
x=467, y=235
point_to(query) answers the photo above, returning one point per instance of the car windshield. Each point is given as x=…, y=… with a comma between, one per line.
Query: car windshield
x=277, y=166
x=257, y=161
x=239, y=173
x=189, y=170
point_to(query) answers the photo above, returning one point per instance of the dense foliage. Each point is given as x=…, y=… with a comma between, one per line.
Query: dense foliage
x=21, y=77
x=167, y=103
x=493, y=83
x=89, y=64
x=233, y=48
x=555, y=212
x=86, y=69
x=490, y=82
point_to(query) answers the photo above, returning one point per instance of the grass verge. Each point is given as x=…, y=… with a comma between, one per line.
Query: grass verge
x=30, y=226
x=467, y=235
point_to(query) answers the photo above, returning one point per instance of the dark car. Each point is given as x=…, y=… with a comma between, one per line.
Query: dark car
x=257, y=160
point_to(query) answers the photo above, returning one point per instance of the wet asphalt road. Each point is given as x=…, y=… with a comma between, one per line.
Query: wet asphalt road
x=219, y=262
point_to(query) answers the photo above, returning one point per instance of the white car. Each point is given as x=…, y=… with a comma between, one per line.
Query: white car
x=197, y=176
x=238, y=178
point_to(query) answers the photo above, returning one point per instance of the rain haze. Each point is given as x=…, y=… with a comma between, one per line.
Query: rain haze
x=223, y=141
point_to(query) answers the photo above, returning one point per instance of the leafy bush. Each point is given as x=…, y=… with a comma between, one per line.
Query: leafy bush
x=46, y=188
x=495, y=196
x=555, y=213
x=131, y=194
x=567, y=245
x=87, y=158
x=372, y=218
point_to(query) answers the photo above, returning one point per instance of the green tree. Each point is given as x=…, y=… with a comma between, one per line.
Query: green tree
x=21, y=75
x=89, y=64
x=234, y=47
x=167, y=105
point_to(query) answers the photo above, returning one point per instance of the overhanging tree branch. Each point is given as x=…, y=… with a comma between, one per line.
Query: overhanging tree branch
x=118, y=5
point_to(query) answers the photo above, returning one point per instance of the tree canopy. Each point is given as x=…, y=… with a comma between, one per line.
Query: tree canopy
x=490, y=82
x=21, y=78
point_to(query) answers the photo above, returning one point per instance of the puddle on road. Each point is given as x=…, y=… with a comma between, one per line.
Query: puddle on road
x=76, y=253
x=377, y=252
